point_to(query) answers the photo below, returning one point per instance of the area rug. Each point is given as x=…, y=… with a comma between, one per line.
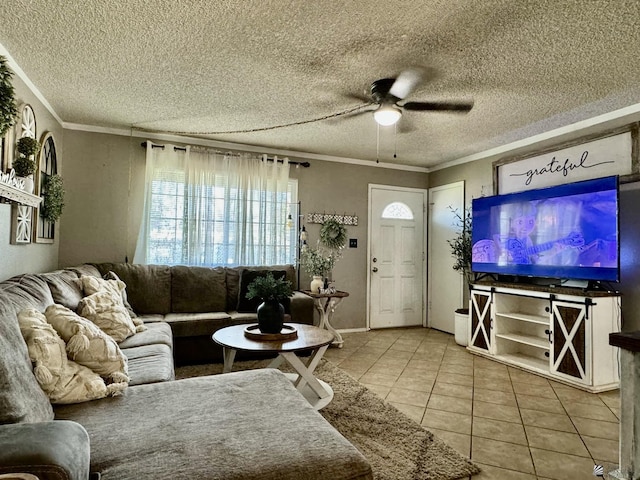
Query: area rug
x=397, y=447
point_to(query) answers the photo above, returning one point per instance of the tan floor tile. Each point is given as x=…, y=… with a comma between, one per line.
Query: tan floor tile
x=597, y=428
x=410, y=397
x=411, y=411
x=380, y=390
x=496, y=412
x=424, y=365
x=406, y=346
x=455, y=368
x=611, y=399
x=378, y=379
x=451, y=390
x=608, y=450
x=534, y=389
x=396, y=356
x=616, y=412
x=562, y=442
x=450, y=404
x=418, y=384
x=492, y=384
x=593, y=412
x=552, y=421
x=459, y=441
x=560, y=466
x=394, y=370
x=501, y=454
x=495, y=396
x=498, y=430
x=495, y=473
x=356, y=364
x=455, y=379
x=419, y=374
x=356, y=374
x=522, y=376
x=539, y=403
x=572, y=395
x=449, y=421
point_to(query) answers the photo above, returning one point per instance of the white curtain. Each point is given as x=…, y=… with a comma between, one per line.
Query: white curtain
x=206, y=208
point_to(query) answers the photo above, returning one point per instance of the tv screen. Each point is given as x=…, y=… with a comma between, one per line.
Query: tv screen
x=568, y=232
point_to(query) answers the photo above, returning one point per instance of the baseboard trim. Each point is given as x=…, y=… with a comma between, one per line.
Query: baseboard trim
x=353, y=330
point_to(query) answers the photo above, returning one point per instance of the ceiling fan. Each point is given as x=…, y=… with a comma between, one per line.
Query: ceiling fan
x=387, y=92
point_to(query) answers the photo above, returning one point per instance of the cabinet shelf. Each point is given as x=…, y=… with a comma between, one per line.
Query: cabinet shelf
x=525, y=361
x=525, y=317
x=537, y=342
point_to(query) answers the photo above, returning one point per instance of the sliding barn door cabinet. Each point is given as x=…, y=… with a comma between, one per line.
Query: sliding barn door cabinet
x=560, y=333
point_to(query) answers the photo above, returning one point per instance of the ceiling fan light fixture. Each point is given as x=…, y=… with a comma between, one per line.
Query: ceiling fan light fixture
x=387, y=115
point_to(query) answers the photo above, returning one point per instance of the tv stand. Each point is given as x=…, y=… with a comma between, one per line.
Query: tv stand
x=560, y=333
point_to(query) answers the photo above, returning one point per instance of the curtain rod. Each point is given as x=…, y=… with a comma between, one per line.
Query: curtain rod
x=269, y=159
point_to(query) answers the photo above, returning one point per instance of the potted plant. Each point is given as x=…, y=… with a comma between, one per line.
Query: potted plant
x=271, y=291
x=25, y=164
x=53, y=201
x=461, y=252
x=8, y=108
x=317, y=263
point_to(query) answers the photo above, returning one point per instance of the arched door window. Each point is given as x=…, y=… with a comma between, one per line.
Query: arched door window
x=397, y=211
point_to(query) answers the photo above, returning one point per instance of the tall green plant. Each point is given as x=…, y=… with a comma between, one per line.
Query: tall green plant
x=461, y=243
x=8, y=108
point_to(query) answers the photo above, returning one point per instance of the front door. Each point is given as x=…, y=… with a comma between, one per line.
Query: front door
x=396, y=256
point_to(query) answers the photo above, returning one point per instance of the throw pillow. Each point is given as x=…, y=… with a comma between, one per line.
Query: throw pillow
x=246, y=277
x=63, y=380
x=108, y=313
x=110, y=275
x=88, y=345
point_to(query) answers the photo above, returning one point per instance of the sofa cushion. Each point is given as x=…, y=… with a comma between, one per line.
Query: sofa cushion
x=198, y=289
x=157, y=332
x=64, y=287
x=21, y=398
x=63, y=380
x=148, y=286
x=150, y=363
x=105, y=309
x=246, y=278
x=244, y=425
x=195, y=324
x=88, y=345
x=233, y=281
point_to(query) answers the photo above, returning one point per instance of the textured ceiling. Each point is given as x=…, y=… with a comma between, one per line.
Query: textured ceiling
x=530, y=66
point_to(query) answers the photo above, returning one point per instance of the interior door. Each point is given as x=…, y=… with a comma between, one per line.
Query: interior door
x=396, y=256
x=445, y=284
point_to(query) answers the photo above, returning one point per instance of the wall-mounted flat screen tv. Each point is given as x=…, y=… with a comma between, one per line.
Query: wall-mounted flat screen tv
x=567, y=232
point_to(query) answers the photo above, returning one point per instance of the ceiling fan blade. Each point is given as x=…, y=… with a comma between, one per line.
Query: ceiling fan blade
x=406, y=82
x=439, y=106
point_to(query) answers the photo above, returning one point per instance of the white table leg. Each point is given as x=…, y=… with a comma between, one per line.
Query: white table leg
x=306, y=373
x=229, y=355
x=326, y=311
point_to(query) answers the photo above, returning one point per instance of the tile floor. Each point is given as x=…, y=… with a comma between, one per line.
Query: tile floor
x=513, y=424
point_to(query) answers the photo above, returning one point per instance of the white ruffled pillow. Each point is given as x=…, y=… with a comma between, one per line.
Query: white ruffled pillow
x=63, y=380
x=88, y=345
x=103, y=309
x=91, y=285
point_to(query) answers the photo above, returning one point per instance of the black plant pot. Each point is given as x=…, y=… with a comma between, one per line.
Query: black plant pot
x=270, y=316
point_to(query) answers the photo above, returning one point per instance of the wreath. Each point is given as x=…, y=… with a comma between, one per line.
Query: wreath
x=333, y=235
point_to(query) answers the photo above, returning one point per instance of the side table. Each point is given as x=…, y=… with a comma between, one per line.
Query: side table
x=326, y=304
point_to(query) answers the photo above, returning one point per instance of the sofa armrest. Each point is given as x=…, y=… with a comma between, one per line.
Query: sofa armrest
x=301, y=308
x=56, y=450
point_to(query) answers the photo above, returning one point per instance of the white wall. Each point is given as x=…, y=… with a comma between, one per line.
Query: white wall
x=31, y=258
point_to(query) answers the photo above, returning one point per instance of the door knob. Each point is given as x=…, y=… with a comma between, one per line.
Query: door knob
x=375, y=269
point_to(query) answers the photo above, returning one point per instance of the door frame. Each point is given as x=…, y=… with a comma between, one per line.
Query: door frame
x=425, y=198
x=459, y=185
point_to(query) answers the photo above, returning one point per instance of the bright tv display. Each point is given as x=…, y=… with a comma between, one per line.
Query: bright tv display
x=568, y=232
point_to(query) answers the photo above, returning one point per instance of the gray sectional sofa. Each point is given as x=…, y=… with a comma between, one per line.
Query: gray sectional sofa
x=243, y=425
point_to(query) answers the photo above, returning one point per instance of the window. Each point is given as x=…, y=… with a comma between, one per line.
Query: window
x=212, y=214
x=397, y=211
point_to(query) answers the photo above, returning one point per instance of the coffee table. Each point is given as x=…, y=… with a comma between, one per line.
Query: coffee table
x=316, y=391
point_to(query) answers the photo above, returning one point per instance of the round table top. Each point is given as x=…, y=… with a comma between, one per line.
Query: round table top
x=336, y=294
x=308, y=337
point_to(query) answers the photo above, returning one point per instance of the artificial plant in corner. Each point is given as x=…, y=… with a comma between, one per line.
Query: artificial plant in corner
x=461, y=244
x=8, y=108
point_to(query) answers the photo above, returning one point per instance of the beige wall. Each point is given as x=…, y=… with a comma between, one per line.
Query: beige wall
x=105, y=181
x=30, y=258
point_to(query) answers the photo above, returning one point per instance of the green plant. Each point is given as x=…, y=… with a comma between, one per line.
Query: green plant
x=316, y=261
x=53, y=202
x=269, y=288
x=24, y=166
x=461, y=244
x=8, y=108
x=28, y=146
